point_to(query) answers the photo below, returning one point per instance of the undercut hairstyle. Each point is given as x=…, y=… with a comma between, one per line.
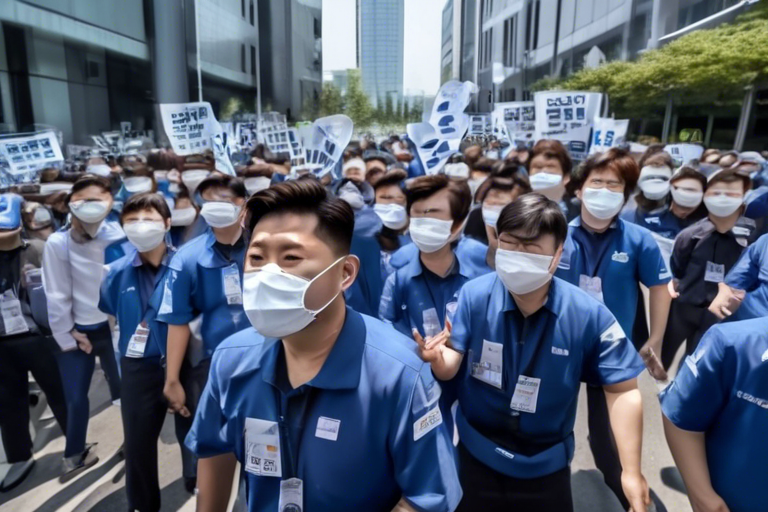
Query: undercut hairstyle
x=395, y=177
x=335, y=218
x=236, y=185
x=531, y=217
x=146, y=201
x=554, y=149
x=459, y=198
x=89, y=180
x=615, y=159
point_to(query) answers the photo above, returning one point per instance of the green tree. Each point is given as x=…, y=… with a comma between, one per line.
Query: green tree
x=331, y=101
x=389, y=111
x=358, y=105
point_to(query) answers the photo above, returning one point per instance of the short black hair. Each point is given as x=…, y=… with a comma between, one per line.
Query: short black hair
x=503, y=184
x=89, y=180
x=236, y=185
x=615, y=159
x=146, y=201
x=459, y=200
x=335, y=218
x=532, y=216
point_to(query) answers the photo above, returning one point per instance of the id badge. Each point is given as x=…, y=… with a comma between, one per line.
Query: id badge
x=430, y=322
x=526, y=394
x=10, y=308
x=489, y=368
x=262, y=448
x=715, y=273
x=291, y=495
x=138, y=342
x=592, y=285
x=232, y=288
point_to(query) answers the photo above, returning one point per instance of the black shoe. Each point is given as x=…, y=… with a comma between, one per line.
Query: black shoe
x=71, y=469
x=190, y=484
x=17, y=474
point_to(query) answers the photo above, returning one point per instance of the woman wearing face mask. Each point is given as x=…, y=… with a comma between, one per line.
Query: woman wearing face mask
x=703, y=254
x=38, y=221
x=608, y=258
x=549, y=171
x=360, y=195
x=73, y=263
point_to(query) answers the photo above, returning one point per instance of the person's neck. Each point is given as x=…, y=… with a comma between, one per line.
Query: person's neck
x=725, y=224
x=307, y=350
x=681, y=212
x=86, y=228
x=531, y=302
x=155, y=256
x=228, y=235
x=592, y=223
x=438, y=262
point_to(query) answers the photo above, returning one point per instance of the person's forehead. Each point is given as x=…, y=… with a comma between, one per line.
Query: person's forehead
x=688, y=183
x=297, y=226
x=722, y=185
x=217, y=191
x=544, y=159
x=146, y=212
x=438, y=198
x=604, y=173
x=91, y=190
x=389, y=190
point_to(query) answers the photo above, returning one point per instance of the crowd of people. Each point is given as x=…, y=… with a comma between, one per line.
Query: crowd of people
x=379, y=339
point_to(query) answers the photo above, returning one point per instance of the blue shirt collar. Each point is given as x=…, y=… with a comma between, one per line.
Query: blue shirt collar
x=136, y=261
x=415, y=268
x=552, y=304
x=341, y=369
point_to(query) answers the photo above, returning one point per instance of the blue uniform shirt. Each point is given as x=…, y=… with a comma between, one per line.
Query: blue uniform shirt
x=660, y=221
x=202, y=279
x=751, y=275
x=722, y=390
x=388, y=440
x=629, y=255
x=470, y=253
x=127, y=295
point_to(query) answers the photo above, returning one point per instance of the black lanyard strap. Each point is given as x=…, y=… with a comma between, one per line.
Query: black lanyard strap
x=291, y=453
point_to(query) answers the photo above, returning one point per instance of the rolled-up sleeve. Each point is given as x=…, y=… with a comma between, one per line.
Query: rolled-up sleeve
x=57, y=283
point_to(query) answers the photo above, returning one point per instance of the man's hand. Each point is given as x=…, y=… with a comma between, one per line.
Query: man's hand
x=174, y=393
x=649, y=353
x=431, y=349
x=636, y=490
x=727, y=301
x=83, y=343
x=672, y=287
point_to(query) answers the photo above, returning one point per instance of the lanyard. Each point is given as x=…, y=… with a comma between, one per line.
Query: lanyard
x=537, y=334
x=291, y=453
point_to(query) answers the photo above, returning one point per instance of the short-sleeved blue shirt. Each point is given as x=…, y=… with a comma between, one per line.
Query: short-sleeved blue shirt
x=751, y=275
x=722, y=390
x=126, y=295
x=573, y=337
x=389, y=440
x=195, y=285
x=631, y=256
x=470, y=253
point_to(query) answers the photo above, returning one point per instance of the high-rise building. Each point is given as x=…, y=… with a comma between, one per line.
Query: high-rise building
x=380, y=35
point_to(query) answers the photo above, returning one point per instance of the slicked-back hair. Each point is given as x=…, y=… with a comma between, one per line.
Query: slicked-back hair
x=615, y=159
x=532, y=216
x=146, y=201
x=459, y=199
x=89, y=180
x=554, y=149
x=335, y=218
x=235, y=185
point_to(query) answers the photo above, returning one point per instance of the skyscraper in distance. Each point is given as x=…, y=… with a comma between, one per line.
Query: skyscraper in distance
x=380, y=35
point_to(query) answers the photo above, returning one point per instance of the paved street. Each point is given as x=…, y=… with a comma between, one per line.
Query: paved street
x=102, y=488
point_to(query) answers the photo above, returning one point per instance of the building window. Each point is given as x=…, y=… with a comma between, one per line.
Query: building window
x=536, y=26
x=242, y=58
x=318, y=28
x=253, y=15
x=508, y=57
x=242, y=7
x=253, y=60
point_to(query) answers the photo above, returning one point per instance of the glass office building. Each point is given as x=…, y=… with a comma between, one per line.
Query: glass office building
x=380, y=47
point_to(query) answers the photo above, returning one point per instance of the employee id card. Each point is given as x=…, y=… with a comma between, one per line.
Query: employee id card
x=138, y=342
x=291, y=495
x=526, y=394
x=592, y=285
x=715, y=273
x=232, y=288
x=489, y=369
x=10, y=308
x=262, y=448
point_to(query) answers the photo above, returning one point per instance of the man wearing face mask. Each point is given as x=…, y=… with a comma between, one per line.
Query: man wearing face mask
x=359, y=195
x=73, y=263
x=325, y=408
x=530, y=340
x=38, y=221
x=549, y=171
x=608, y=258
x=183, y=217
x=702, y=256
x=257, y=177
x=204, y=279
x=130, y=293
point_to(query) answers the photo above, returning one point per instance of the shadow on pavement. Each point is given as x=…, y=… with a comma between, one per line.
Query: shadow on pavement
x=173, y=497
x=590, y=493
x=672, y=478
x=47, y=467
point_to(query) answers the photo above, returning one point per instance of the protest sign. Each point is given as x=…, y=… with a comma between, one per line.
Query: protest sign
x=515, y=121
x=608, y=133
x=684, y=153
x=567, y=116
x=479, y=125
x=30, y=152
x=324, y=142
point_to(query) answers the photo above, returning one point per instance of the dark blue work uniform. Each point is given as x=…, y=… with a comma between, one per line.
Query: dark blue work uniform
x=470, y=253
x=722, y=390
x=362, y=434
x=751, y=275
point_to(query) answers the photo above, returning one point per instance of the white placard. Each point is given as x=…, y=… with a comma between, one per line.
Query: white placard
x=608, y=133
x=684, y=153
x=515, y=121
x=192, y=128
x=31, y=153
x=567, y=116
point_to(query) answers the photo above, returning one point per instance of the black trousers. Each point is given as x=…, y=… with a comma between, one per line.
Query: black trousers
x=489, y=491
x=193, y=380
x=687, y=324
x=18, y=356
x=602, y=442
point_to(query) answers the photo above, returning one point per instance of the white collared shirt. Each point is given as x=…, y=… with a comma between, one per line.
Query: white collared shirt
x=72, y=274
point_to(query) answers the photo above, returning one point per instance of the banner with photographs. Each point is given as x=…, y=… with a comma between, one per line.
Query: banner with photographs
x=608, y=133
x=515, y=121
x=567, y=116
x=31, y=153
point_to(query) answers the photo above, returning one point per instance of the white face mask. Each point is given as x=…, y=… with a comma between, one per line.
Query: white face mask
x=352, y=195
x=42, y=216
x=89, y=212
x=655, y=188
x=273, y=300
x=183, y=216
x=102, y=170
x=392, y=215
x=522, y=272
x=253, y=185
x=220, y=214
x=602, y=203
x=545, y=180
x=721, y=205
x=138, y=184
x=145, y=235
x=47, y=189
x=687, y=199
x=192, y=179
x=491, y=215
x=430, y=235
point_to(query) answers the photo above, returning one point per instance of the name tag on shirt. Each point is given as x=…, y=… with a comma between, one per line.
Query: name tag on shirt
x=715, y=273
x=489, y=369
x=291, y=495
x=526, y=394
x=430, y=322
x=10, y=308
x=138, y=342
x=327, y=428
x=262, y=448
x=592, y=285
x=232, y=287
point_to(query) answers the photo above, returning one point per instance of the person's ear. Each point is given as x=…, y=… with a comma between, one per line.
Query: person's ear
x=239, y=201
x=350, y=269
x=556, y=260
x=168, y=224
x=578, y=194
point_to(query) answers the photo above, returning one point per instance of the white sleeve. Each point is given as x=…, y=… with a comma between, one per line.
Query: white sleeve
x=57, y=282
